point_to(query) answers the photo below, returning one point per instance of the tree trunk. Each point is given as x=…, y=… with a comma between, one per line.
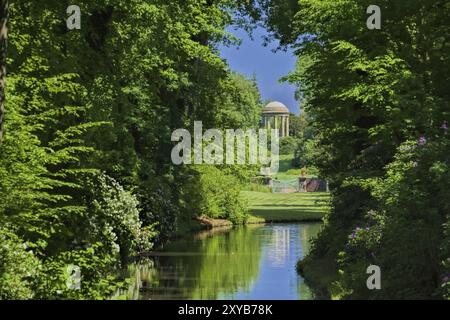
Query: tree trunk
x=3, y=45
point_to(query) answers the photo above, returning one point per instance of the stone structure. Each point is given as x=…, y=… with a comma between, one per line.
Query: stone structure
x=276, y=116
x=313, y=185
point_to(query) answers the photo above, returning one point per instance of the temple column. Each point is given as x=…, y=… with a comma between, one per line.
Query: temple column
x=288, y=126
x=276, y=123
x=282, y=126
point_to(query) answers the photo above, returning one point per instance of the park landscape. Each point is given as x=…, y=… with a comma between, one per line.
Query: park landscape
x=92, y=206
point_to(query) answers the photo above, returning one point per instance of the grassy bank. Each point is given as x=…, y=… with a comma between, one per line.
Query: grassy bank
x=268, y=207
x=293, y=207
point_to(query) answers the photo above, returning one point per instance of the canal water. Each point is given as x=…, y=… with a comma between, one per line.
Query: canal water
x=249, y=262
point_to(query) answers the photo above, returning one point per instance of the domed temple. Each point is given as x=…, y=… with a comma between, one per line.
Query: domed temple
x=276, y=116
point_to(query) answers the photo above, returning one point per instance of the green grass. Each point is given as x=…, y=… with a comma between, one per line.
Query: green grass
x=257, y=187
x=292, y=207
x=278, y=207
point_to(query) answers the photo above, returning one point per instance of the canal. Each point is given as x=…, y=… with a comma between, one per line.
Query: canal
x=248, y=262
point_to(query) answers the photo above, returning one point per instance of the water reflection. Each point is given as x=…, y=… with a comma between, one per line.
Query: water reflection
x=250, y=262
x=279, y=246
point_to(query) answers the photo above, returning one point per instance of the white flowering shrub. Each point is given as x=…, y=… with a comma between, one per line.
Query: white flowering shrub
x=18, y=265
x=115, y=218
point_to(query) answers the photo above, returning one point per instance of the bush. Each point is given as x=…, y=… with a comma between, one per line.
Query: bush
x=114, y=219
x=99, y=278
x=288, y=145
x=407, y=234
x=220, y=195
x=159, y=209
x=18, y=266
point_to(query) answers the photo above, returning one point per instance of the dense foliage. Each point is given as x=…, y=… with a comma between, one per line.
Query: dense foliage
x=379, y=106
x=86, y=177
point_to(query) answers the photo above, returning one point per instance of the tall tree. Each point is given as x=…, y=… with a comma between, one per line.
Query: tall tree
x=3, y=44
x=106, y=98
x=380, y=106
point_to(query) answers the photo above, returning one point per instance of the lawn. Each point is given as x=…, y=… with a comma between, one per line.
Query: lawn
x=282, y=207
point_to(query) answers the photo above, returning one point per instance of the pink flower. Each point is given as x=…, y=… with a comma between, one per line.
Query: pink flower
x=422, y=141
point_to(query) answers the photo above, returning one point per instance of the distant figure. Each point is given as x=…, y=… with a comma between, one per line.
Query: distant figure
x=305, y=185
x=303, y=172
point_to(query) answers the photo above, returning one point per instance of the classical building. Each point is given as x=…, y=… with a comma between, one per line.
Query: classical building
x=276, y=116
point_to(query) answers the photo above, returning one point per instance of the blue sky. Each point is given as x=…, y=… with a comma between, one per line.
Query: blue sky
x=251, y=57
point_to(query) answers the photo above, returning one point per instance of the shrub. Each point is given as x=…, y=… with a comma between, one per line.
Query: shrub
x=18, y=266
x=408, y=235
x=220, y=195
x=99, y=278
x=288, y=145
x=114, y=218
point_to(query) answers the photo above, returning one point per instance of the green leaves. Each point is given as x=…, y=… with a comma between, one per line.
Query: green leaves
x=370, y=96
x=86, y=159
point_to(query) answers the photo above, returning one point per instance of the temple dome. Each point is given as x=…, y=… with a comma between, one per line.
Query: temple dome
x=275, y=107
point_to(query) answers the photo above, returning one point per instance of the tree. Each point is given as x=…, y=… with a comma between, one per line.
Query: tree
x=85, y=171
x=3, y=47
x=378, y=101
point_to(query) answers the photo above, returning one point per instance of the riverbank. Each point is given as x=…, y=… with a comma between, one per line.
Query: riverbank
x=266, y=207
x=320, y=276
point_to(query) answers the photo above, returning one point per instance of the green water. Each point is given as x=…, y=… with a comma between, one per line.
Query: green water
x=249, y=262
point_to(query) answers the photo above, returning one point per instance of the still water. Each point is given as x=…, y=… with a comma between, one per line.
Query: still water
x=249, y=262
